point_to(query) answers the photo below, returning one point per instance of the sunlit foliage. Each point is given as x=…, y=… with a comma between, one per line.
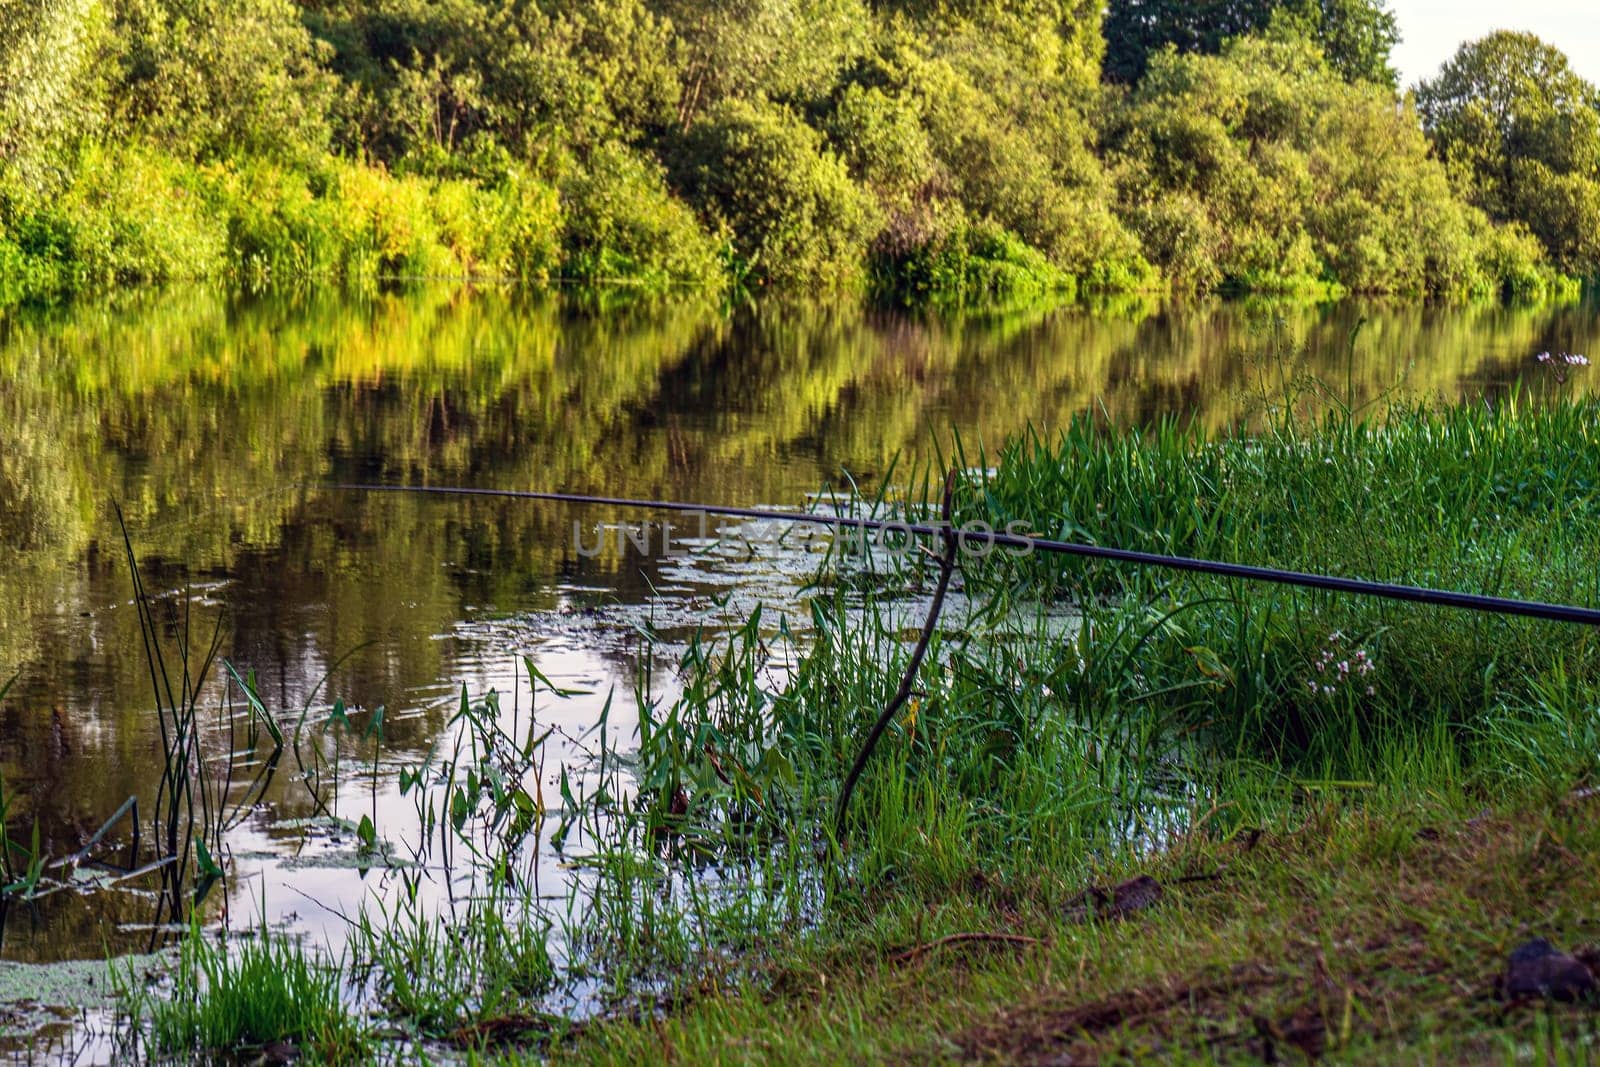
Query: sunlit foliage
x=925, y=151
x=43, y=48
x=1522, y=131
x=1262, y=169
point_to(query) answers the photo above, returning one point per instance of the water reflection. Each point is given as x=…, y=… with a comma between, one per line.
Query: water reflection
x=213, y=422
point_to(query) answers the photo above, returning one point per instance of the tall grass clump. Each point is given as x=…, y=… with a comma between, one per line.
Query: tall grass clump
x=230, y=997
x=483, y=966
x=1497, y=499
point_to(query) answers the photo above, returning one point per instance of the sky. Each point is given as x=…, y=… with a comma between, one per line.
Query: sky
x=1432, y=30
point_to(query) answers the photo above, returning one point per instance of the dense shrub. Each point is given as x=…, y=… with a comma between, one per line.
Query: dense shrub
x=980, y=115
x=622, y=223
x=794, y=212
x=1031, y=171
x=126, y=216
x=361, y=223
x=970, y=265
x=139, y=215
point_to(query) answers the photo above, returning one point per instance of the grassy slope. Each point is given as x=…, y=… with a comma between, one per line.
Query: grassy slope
x=1370, y=933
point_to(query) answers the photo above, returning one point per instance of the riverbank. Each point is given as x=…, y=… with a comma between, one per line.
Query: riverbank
x=1368, y=926
x=1352, y=812
x=135, y=214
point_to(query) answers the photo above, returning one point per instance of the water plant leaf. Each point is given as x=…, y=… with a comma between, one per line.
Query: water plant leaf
x=207, y=872
x=252, y=697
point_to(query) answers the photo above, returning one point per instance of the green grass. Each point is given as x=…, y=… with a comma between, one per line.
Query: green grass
x=1503, y=501
x=1162, y=720
x=1372, y=931
x=466, y=977
x=263, y=989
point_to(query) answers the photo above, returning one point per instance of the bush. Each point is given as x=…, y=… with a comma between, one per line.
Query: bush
x=128, y=216
x=512, y=230
x=943, y=150
x=880, y=136
x=947, y=125
x=1031, y=170
x=789, y=51
x=138, y=215
x=972, y=265
x=796, y=217
x=622, y=223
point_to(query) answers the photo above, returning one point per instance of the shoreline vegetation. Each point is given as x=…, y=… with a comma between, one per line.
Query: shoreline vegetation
x=1204, y=820
x=918, y=154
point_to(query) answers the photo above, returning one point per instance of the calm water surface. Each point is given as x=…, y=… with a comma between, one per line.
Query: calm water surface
x=214, y=422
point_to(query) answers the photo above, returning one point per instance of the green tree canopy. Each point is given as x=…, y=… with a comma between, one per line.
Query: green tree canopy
x=1262, y=169
x=1521, y=132
x=786, y=50
x=43, y=46
x=219, y=77
x=440, y=78
x=1355, y=35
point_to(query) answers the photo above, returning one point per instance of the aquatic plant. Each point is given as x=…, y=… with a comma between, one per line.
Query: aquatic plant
x=21, y=866
x=467, y=973
x=255, y=990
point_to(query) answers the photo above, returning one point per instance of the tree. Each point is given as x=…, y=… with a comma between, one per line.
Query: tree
x=219, y=77
x=1056, y=40
x=787, y=50
x=43, y=45
x=1356, y=36
x=795, y=215
x=1262, y=169
x=1521, y=130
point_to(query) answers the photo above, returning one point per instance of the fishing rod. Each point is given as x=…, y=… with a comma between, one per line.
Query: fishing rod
x=989, y=539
